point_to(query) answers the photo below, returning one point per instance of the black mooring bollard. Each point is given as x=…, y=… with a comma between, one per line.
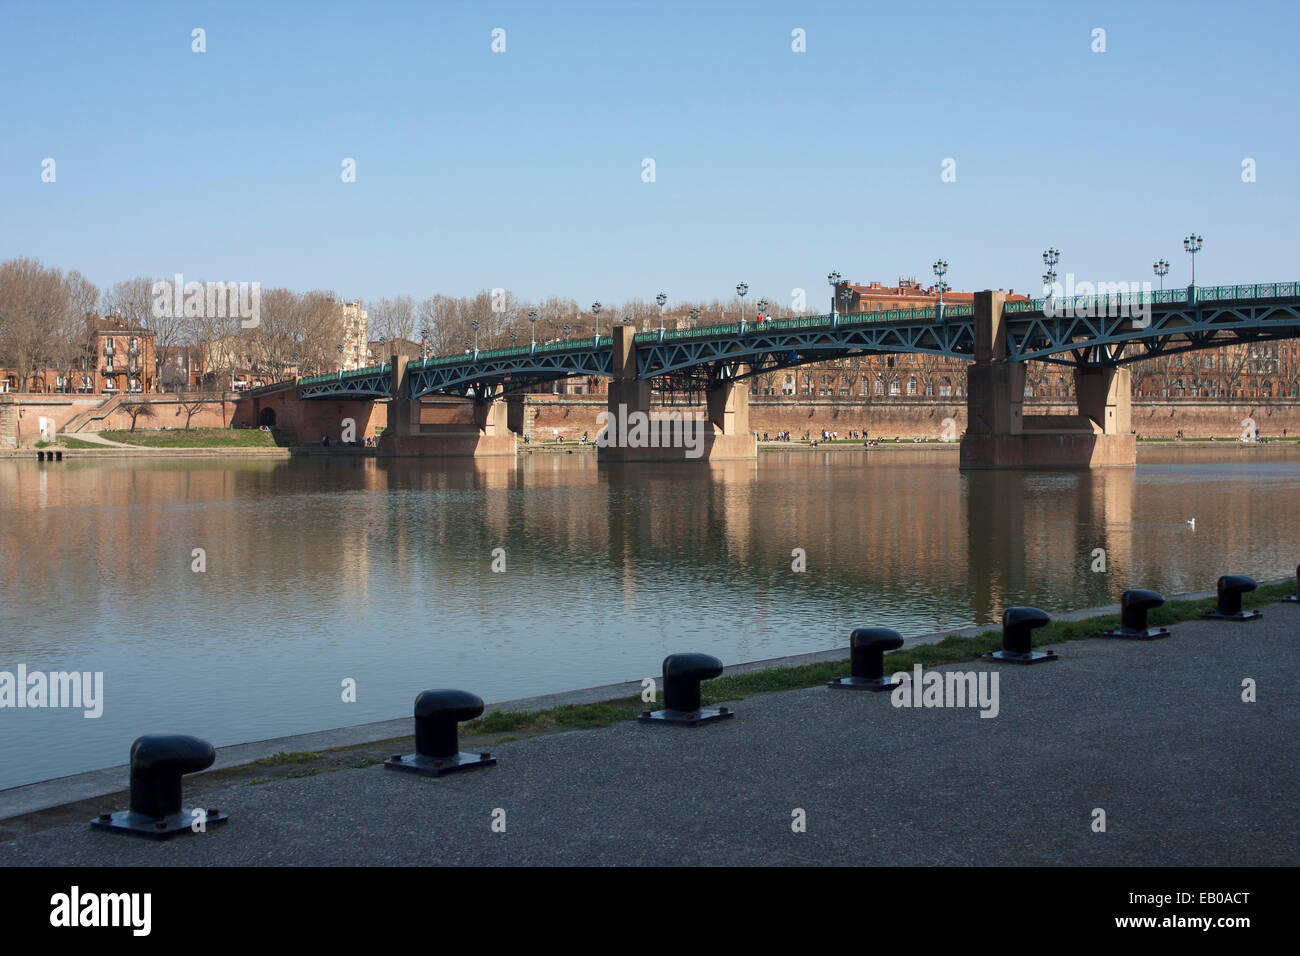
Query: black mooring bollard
x=682, y=676
x=158, y=761
x=1231, y=588
x=437, y=741
x=867, y=646
x=1294, y=598
x=40, y=456
x=1133, y=608
x=1017, y=643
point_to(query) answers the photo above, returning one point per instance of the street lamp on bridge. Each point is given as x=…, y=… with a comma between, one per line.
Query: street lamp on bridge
x=834, y=280
x=742, y=289
x=761, y=308
x=1161, y=269
x=424, y=342
x=695, y=317
x=340, y=362
x=474, y=326
x=1192, y=244
x=1050, y=258
x=532, y=317
x=595, y=310
x=661, y=298
x=940, y=268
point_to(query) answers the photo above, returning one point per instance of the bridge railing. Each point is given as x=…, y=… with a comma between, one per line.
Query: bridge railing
x=925, y=314
x=349, y=374
x=1115, y=304
x=515, y=351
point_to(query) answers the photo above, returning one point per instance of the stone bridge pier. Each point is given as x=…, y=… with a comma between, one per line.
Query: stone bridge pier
x=444, y=425
x=999, y=435
x=633, y=434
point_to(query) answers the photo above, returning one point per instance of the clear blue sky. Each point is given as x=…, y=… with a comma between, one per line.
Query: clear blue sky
x=523, y=169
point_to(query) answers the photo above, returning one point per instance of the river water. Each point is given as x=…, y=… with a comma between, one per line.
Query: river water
x=317, y=570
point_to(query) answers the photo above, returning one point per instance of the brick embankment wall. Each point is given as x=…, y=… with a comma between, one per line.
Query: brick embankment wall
x=925, y=418
x=23, y=413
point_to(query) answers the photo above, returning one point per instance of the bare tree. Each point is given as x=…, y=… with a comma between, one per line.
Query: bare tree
x=33, y=302
x=137, y=410
x=392, y=318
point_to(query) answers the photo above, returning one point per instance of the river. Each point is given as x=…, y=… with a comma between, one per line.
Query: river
x=317, y=570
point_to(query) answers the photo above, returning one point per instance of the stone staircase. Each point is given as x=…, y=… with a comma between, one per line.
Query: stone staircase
x=98, y=413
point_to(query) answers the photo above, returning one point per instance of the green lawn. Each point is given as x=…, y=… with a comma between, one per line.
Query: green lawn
x=194, y=438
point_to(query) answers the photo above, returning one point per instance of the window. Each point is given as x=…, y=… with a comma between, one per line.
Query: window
x=895, y=387
x=879, y=387
x=945, y=387
x=110, y=384
x=911, y=386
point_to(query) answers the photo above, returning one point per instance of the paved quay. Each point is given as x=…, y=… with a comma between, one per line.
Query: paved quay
x=1156, y=734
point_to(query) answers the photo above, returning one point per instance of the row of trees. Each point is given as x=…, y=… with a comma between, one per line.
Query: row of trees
x=43, y=326
x=447, y=323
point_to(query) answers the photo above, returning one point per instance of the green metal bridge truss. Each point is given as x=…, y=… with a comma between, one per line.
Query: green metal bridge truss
x=1080, y=331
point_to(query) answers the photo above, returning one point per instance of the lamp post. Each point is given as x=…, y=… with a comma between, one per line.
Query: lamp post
x=1192, y=244
x=834, y=280
x=474, y=326
x=1161, y=269
x=340, y=362
x=695, y=317
x=846, y=296
x=661, y=298
x=532, y=318
x=567, y=330
x=595, y=311
x=382, y=342
x=760, y=310
x=424, y=342
x=940, y=268
x=742, y=289
x=514, y=337
x=1050, y=258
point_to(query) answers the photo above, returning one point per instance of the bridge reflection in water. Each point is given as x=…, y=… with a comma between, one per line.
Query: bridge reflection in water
x=381, y=570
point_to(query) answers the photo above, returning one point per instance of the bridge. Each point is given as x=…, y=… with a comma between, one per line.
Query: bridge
x=1095, y=335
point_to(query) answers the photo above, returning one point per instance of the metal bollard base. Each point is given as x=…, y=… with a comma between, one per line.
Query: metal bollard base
x=686, y=718
x=1015, y=657
x=1239, y=616
x=439, y=766
x=1135, y=634
x=156, y=828
x=863, y=683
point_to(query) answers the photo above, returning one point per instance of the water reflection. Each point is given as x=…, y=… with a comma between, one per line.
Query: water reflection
x=320, y=569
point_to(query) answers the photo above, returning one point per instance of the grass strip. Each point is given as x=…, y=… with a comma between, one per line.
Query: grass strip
x=194, y=438
x=951, y=650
